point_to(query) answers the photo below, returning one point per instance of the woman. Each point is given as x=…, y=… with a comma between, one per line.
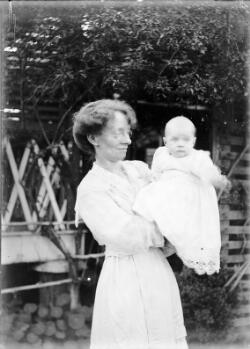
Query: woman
x=137, y=302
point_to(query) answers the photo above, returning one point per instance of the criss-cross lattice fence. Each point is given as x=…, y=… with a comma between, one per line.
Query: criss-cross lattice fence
x=38, y=197
x=49, y=179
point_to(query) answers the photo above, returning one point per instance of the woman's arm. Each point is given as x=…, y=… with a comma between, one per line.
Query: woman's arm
x=111, y=225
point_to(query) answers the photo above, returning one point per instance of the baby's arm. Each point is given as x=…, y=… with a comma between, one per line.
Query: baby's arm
x=204, y=168
x=221, y=183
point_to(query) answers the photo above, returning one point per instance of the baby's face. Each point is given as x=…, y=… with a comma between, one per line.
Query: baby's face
x=179, y=142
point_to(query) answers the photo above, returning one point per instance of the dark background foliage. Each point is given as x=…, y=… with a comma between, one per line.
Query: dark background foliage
x=190, y=54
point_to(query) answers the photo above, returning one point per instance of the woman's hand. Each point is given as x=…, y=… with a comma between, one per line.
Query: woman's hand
x=157, y=239
x=168, y=248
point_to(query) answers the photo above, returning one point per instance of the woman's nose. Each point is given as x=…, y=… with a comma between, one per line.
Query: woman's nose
x=126, y=138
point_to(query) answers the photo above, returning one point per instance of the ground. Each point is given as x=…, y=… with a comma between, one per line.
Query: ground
x=85, y=345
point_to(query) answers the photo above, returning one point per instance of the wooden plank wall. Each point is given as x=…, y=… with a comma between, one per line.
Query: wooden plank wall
x=28, y=125
x=234, y=212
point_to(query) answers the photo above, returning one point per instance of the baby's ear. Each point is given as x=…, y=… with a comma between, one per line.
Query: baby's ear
x=164, y=140
x=194, y=141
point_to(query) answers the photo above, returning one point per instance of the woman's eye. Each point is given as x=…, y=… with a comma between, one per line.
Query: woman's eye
x=116, y=134
x=123, y=133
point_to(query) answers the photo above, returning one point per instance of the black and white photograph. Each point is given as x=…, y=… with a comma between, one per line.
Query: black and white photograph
x=125, y=174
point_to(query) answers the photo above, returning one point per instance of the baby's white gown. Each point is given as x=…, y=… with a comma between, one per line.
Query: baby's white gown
x=183, y=203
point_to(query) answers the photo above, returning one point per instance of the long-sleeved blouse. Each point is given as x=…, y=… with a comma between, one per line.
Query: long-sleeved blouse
x=137, y=303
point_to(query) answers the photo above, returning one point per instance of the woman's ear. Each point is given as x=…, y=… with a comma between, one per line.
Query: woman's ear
x=92, y=140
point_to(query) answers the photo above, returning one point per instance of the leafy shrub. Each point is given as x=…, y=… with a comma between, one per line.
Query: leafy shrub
x=208, y=307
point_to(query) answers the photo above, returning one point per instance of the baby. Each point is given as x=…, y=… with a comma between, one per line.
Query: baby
x=182, y=201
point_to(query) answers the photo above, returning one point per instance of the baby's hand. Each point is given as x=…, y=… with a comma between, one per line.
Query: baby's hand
x=222, y=183
x=227, y=185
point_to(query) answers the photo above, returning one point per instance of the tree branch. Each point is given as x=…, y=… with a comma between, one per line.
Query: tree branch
x=40, y=124
x=67, y=112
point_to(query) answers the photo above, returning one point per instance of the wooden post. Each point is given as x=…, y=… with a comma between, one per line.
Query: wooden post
x=64, y=208
x=74, y=295
x=64, y=151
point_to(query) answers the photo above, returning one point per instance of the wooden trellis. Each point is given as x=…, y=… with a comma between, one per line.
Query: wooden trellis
x=50, y=178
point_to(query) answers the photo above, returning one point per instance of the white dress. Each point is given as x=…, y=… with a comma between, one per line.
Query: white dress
x=137, y=302
x=183, y=203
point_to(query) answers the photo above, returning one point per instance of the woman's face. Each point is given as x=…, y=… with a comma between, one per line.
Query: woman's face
x=112, y=144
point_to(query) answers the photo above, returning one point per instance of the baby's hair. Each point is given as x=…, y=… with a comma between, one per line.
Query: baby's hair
x=180, y=121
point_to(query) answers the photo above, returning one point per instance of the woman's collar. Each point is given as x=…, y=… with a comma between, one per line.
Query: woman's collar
x=100, y=168
x=106, y=173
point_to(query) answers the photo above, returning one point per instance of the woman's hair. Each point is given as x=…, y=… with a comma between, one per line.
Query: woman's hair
x=92, y=118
